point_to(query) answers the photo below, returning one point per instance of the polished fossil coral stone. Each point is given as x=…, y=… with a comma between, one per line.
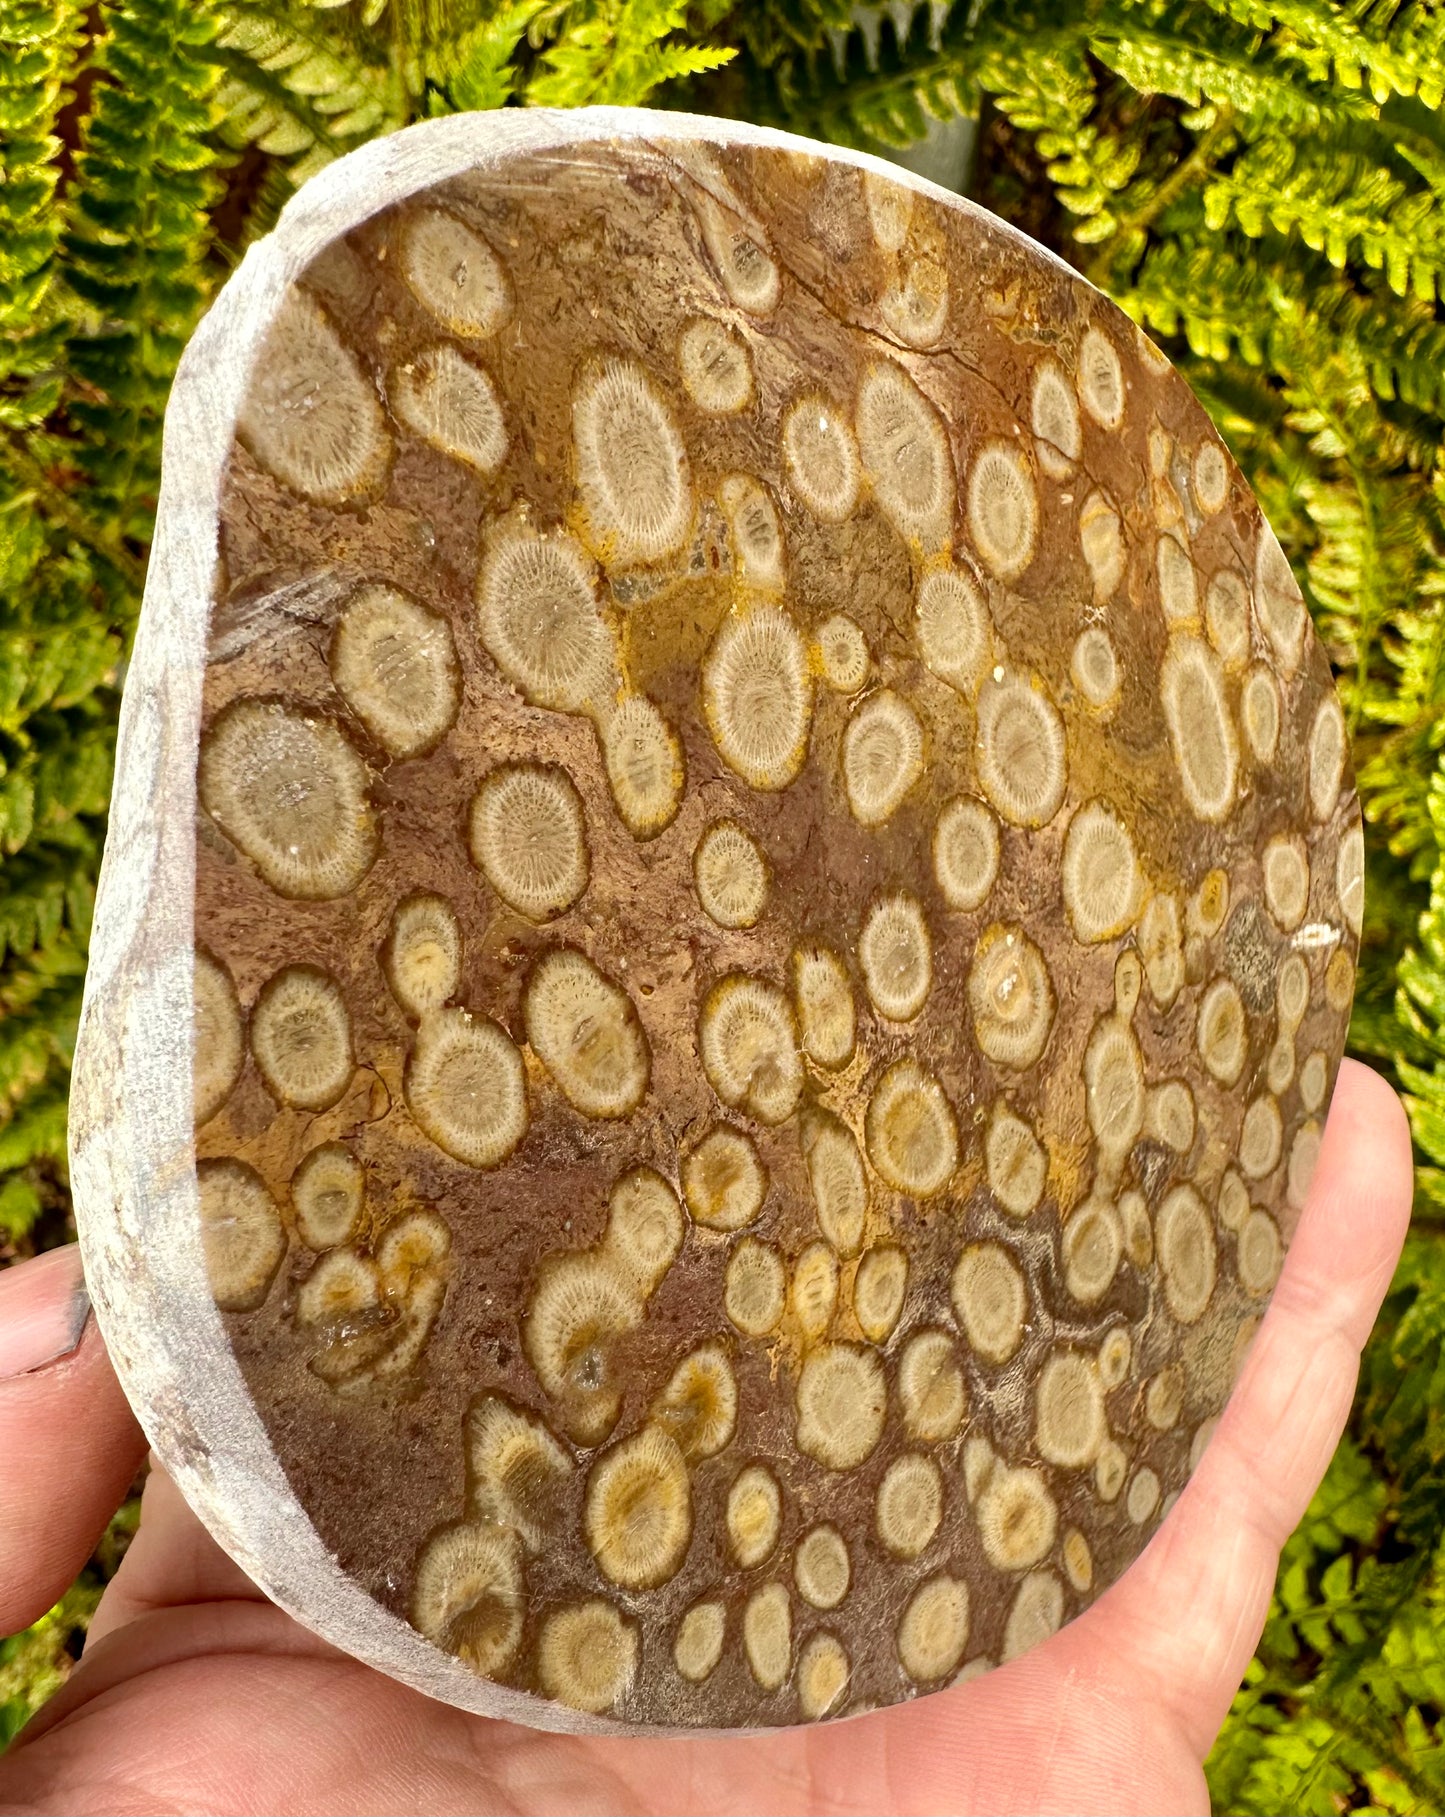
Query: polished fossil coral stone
x=775, y=883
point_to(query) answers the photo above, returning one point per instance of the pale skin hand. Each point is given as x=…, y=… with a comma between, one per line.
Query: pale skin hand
x=196, y=1693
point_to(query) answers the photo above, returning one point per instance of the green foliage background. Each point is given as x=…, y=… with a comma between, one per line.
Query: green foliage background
x=1260, y=182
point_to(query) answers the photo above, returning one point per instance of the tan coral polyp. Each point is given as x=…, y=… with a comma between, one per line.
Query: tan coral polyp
x=423, y=954
x=842, y=1398
x=218, y=1042
x=933, y=1630
x=757, y=695
x=1011, y=996
x=879, y=1285
x=301, y=1038
x=241, y=1233
x=905, y=454
x=823, y=995
x=450, y=402
x=517, y=1469
x=311, y=415
x=821, y=1567
x=466, y=1087
x=754, y=1516
x=579, y=1308
x=1021, y=750
x=639, y=1510
x=328, y=1191
x=395, y=665
x=748, y=1044
x=716, y=367
x=454, y=273
x=699, y=1642
x=895, y=953
x=644, y=1228
x=538, y=620
x=731, y=875
x=699, y=1407
x=585, y=1031
x=990, y=1297
x=632, y=467
x=955, y=636
x=723, y=1180
x=755, y=1288
x=467, y=1595
x=823, y=1673
x=290, y=790
x=842, y=653
x=909, y=1505
x=912, y=1131
x=587, y=1655
x=644, y=763
x=931, y=1388
x=529, y=838
x=882, y=757
x=838, y=1181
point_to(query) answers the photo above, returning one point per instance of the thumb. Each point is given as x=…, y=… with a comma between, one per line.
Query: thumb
x=70, y=1442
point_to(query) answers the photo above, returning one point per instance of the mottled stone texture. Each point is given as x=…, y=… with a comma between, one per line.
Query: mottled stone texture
x=769, y=804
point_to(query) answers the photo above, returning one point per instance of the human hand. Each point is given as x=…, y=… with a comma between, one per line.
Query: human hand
x=196, y=1693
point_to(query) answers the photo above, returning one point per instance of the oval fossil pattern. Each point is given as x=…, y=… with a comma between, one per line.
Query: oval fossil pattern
x=777, y=881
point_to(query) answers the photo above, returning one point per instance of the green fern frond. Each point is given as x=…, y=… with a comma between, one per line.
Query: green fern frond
x=37, y=1130
x=45, y=894
x=1354, y=46
x=478, y=71
x=881, y=87
x=1167, y=55
x=37, y=48
x=1230, y=297
x=48, y=786
x=1047, y=88
x=1343, y=206
x=619, y=53
x=771, y=35
x=298, y=84
x=137, y=249
x=419, y=31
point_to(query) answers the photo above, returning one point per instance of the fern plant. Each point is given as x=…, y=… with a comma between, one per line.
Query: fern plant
x=1261, y=183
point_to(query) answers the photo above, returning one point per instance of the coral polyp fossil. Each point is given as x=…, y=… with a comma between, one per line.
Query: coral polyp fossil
x=776, y=885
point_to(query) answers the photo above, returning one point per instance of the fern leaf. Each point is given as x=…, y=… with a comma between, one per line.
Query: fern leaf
x=37, y=48
x=869, y=89
x=618, y=53
x=1048, y=89
x=136, y=252
x=1343, y=206
x=1331, y=41
x=297, y=85
x=1229, y=68
x=478, y=71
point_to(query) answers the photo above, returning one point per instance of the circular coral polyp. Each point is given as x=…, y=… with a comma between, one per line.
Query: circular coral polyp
x=769, y=927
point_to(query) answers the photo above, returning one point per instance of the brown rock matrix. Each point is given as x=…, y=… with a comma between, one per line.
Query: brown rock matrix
x=776, y=868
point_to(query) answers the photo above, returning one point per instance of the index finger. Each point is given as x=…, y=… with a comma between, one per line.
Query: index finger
x=1184, y=1621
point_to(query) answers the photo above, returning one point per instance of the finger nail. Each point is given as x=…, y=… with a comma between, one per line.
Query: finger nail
x=44, y=1309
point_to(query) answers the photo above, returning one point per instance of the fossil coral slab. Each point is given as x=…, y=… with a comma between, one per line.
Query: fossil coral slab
x=729, y=917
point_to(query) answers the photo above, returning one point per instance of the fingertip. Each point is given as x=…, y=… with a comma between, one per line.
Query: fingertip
x=1356, y=1212
x=44, y=1311
x=1368, y=1117
x=70, y=1442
